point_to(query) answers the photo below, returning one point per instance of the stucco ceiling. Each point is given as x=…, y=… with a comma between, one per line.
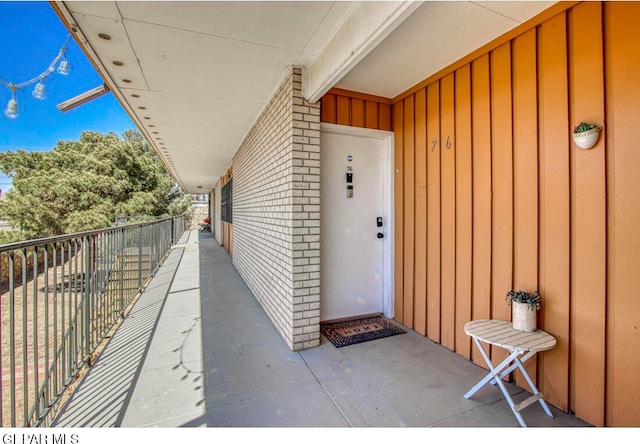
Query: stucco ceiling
x=195, y=76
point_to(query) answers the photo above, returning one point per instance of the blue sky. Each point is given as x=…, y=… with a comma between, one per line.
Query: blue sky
x=32, y=35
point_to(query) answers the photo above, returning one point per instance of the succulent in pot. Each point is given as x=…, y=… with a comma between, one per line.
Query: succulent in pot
x=585, y=135
x=530, y=298
x=524, y=305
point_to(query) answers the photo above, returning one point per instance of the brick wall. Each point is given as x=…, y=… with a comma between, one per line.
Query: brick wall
x=276, y=213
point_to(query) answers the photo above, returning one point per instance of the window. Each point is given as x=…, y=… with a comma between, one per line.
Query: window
x=225, y=210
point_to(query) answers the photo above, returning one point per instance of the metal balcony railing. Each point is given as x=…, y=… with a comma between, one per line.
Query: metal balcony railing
x=61, y=297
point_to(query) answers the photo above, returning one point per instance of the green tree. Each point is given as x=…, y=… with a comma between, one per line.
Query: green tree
x=83, y=185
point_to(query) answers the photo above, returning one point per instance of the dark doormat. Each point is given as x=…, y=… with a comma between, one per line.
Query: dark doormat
x=359, y=330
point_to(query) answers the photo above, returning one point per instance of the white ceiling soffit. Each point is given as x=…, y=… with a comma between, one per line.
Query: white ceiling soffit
x=194, y=76
x=436, y=35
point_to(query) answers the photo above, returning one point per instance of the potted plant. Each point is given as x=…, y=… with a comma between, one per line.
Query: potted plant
x=524, y=305
x=586, y=135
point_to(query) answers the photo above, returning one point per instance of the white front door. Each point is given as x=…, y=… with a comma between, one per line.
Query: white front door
x=355, y=232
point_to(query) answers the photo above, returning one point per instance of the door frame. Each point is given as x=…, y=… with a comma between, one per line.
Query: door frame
x=387, y=203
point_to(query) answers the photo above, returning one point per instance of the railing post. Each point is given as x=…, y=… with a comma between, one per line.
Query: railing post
x=152, y=249
x=55, y=318
x=87, y=294
x=25, y=358
x=45, y=397
x=34, y=327
x=121, y=274
x=12, y=336
x=140, y=258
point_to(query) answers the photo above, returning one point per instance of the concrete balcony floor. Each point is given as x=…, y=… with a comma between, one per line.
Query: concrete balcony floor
x=197, y=350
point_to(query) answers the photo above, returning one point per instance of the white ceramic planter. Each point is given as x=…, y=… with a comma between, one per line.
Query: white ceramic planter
x=523, y=318
x=587, y=139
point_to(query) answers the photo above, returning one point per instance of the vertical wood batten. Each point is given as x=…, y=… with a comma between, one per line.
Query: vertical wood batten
x=622, y=52
x=464, y=221
x=420, y=307
x=434, y=145
x=502, y=180
x=448, y=212
x=398, y=211
x=555, y=206
x=328, y=108
x=525, y=161
x=481, y=158
x=371, y=114
x=384, y=116
x=357, y=112
x=588, y=217
x=409, y=209
x=343, y=110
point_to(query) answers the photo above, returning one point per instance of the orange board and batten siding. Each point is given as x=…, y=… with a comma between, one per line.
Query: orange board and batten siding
x=491, y=194
x=355, y=109
x=513, y=203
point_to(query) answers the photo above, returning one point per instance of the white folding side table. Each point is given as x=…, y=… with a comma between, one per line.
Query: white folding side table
x=521, y=347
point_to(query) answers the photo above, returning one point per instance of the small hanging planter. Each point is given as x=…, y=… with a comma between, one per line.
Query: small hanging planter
x=586, y=135
x=524, y=308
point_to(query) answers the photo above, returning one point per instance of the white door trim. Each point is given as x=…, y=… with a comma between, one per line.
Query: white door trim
x=387, y=139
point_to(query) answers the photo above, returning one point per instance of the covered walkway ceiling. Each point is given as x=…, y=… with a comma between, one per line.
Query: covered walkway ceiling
x=194, y=76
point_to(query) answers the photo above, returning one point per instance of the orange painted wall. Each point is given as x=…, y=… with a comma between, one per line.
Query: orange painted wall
x=492, y=194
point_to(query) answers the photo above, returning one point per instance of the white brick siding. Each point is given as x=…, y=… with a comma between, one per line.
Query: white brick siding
x=276, y=213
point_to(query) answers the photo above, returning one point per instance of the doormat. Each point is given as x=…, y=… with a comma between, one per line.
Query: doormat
x=359, y=330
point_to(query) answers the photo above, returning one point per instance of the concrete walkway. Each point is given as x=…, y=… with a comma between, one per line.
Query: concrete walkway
x=197, y=350
x=150, y=372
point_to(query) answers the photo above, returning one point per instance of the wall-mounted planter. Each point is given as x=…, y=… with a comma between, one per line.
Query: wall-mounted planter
x=587, y=139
